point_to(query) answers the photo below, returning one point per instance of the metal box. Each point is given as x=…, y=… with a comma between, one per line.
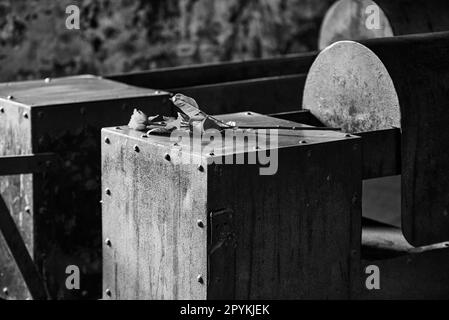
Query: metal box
x=203, y=230
x=59, y=212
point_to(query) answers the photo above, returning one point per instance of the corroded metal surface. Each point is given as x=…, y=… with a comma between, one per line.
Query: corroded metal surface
x=349, y=87
x=15, y=133
x=65, y=117
x=292, y=235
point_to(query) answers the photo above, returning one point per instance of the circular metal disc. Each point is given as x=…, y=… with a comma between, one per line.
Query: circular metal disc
x=349, y=87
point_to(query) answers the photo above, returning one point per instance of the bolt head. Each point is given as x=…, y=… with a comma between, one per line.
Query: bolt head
x=108, y=242
x=28, y=209
x=107, y=141
x=108, y=191
x=2, y=110
x=47, y=80
x=108, y=292
x=136, y=148
x=200, y=168
x=303, y=142
x=25, y=115
x=5, y=290
x=200, y=279
x=10, y=97
x=167, y=157
x=200, y=223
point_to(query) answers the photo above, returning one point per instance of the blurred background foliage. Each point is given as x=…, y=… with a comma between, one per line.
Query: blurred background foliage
x=130, y=35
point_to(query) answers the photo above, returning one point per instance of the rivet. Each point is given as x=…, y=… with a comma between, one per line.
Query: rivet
x=200, y=223
x=302, y=141
x=256, y=148
x=167, y=157
x=212, y=154
x=144, y=136
x=107, y=141
x=108, y=242
x=249, y=113
x=446, y=244
x=10, y=97
x=2, y=110
x=118, y=128
x=108, y=191
x=200, y=279
x=136, y=148
x=157, y=92
x=25, y=115
x=47, y=80
x=5, y=290
x=28, y=209
x=200, y=168
x=348, y=135
x=108, y=292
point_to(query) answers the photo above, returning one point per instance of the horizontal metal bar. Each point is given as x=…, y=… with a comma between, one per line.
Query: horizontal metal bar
x=262, y=95
x=381, y=153
x=381, y=148
x=202, y=74
x=31, y=163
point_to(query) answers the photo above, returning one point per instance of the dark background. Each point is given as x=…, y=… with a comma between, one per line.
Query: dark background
x=124, y=35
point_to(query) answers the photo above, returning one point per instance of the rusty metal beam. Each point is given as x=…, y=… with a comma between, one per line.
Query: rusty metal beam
x=203, y=74
x=21, y=164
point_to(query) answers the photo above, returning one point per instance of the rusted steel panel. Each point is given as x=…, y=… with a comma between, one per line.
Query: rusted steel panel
x=17, y=191
x=156, y=249
x=295, y=234
x=169, y=78
x=64, y=116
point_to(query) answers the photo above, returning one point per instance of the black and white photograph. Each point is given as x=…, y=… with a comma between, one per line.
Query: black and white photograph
x=222, y=157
